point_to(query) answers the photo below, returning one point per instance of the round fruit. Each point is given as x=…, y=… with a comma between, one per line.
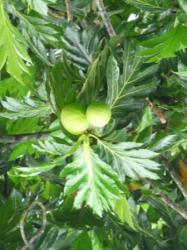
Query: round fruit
x=98, y=114
x=74, y=119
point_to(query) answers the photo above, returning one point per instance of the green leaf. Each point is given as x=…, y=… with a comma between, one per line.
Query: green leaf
x=135, y=81
x=23, y=148
x=87, y=241
x=165, y=45
x=23, y=126
x=11, y=212
x=62, y=77
x=56, y=144
x=40, y=28
x=32, y=171
x=26, y=108
x=80, y=47
x=93, y=181
x=147, y=120
x=129, y=160
x=83, y=242
x=13, y=51
x=163, y=143
x=39, y=6
x=95, y=77
x=11, y=87
x=112, y=78
x=39, y=168
x=123, y=211
x=183, y=4
x=182, y=74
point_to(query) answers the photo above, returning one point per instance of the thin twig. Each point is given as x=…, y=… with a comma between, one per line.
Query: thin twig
x=174, y=206
x=40, y=231
x=5, y=184
x=168, y=202
x=69, y=10
x=176, y=179
x=105, y=18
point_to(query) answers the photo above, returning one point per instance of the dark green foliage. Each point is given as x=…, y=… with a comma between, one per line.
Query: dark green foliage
x=111, y=188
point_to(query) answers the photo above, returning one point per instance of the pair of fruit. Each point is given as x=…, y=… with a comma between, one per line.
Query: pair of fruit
x=76, y=121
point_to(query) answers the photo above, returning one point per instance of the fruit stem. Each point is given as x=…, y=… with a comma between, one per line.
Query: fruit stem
x=88, y=157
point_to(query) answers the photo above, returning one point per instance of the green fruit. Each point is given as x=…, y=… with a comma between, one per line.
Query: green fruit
x=74, y=119
x=98, y=114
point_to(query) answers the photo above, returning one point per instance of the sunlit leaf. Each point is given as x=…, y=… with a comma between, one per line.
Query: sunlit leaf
x=13, y=48
x=94, y=181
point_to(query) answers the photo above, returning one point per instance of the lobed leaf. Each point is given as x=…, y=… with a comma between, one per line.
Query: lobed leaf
x=134, y=82
x=13, y=48
x=93, y=181
x=166, y=45
x=129, y=160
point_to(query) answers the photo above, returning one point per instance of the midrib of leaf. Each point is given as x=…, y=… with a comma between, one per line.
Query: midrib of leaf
x=114, y=153
x=146, y=4
x=150, y=5
x=36, y=110
x=84, y=53
x=88, y=159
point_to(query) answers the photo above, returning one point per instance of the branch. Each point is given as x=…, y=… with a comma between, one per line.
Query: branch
x=174, y=206
x=176, y=179
x=69, y=10
x=26, y=137
x=168, y=202
x=40, y=231
x=105, y=18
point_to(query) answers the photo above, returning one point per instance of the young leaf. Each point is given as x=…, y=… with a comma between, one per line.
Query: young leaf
x=13, y=51
x=93, y=181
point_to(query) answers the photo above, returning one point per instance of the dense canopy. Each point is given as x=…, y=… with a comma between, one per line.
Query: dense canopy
x=111, y=177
